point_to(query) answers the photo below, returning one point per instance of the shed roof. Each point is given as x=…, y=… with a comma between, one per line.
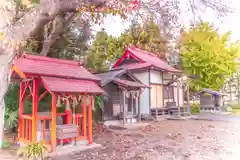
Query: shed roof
x=145, y=59
x=108, y=76
x=114, y=76
x=212, y=92
x=58, y=75
x=127, y=83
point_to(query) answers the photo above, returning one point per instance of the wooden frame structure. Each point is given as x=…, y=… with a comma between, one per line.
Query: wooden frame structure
x=123, y=91
x=66, y=81
x=210, y=100
x=155, y=73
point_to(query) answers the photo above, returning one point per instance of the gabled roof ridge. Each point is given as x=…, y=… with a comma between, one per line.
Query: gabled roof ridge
x=141, y=50
x=53, y=60
x=110, y=70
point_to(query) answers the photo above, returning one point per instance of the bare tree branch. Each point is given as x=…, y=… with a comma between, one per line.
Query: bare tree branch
x=31, y=22
x=57, y=30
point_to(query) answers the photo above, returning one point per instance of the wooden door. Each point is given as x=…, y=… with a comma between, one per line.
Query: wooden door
x=156, y=96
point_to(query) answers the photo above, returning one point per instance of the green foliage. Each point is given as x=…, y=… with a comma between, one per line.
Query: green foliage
x=5, y=144
x=11, y=97
x=98, y=108
x=73, y=43
x=235, y=106
x=11, y=110
x=195, y=108
x=36, y=150
x=106, y=49
x=10, y=118
x=11, y=102
x=209, y=55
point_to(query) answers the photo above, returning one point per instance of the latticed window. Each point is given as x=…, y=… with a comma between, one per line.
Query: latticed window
x=168, y=92
x=231, y=89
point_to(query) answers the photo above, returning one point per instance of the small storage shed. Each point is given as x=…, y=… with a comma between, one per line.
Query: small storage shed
x=210, y=100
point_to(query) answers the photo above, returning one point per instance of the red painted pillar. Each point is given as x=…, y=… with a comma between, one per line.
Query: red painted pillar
x=34, y=109
x=68, y=112
x=90, y=119
x=21, y=110
x=53, y=122
x=84, y=121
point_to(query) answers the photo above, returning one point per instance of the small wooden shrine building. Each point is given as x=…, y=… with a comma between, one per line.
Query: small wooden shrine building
x=67, y=82
x=210, y=100
x=157, y=74
x=122, y=102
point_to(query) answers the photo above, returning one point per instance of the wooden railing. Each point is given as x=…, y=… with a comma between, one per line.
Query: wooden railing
x=45, y=122
x=26, y=125
x=78, y=120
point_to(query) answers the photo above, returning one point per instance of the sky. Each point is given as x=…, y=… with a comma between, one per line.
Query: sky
x=113, y=25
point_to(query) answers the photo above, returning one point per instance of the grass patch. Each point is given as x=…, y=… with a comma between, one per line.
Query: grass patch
x=195, y=108
x=5, y=144
x=235, y=109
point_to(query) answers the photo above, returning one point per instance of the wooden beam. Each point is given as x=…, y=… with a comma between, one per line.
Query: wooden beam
x=149, y=90
x=43, y=95
x=21, y=74
x=188, y=100
x=34, y=108
x=54, y=122
x=139, y=107
x=124, y=114
x=24, y=90
x=84, y=120
x=91, y=104
x=20, y=110
x=178, y=99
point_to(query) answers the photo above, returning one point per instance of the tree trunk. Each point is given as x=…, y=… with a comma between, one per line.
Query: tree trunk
x=15, y=34
x=5, y=61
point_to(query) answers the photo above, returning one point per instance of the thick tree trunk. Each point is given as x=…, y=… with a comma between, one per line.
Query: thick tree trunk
x=16, y=33
x=59, y=27
x=5, y=61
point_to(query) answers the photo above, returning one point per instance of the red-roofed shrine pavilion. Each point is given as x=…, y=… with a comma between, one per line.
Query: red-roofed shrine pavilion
x=66, y=81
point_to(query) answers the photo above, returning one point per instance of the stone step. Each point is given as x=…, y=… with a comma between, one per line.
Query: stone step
x=181, y=113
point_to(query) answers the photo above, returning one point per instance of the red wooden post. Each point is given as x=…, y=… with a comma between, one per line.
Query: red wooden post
x=21, y=109
x=34, y=109
x=53, y=122
x=68, y=116
x=90, y=119
x=68, y=112
x=84, y=121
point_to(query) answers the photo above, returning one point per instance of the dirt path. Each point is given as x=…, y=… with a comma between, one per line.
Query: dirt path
x=167, y=140
x=183, y=140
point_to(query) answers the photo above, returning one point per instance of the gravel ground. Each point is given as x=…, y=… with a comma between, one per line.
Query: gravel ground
x=166, y=140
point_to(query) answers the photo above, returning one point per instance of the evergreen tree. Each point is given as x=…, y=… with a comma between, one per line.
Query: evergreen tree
x=107, y=49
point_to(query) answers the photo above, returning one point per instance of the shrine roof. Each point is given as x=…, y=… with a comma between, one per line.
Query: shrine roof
x=127, y=83
x=115, y=77
x=45, y=66
x=57, y=75
x=71, y=85
x=145, y=59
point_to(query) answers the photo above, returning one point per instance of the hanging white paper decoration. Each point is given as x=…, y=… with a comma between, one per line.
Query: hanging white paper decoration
x=141, y=91
x=127, y=94
x=58, y=101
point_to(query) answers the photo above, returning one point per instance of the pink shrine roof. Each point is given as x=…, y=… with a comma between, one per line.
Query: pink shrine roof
x=58, y=75
x=145, y=59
